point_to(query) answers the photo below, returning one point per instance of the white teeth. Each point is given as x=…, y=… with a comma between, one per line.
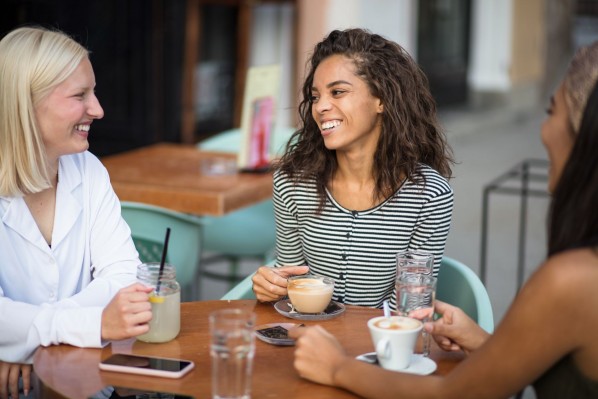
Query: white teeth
x=84, y=128
x=330, y=124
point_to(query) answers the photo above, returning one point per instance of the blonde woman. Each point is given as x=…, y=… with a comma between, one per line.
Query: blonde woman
x=67, y=261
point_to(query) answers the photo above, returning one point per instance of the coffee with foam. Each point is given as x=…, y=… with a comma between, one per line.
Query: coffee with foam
x=394, y=339
x=310, y=293
x=397, y=323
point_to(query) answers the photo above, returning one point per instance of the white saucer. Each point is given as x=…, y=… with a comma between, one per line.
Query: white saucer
x=419, y=364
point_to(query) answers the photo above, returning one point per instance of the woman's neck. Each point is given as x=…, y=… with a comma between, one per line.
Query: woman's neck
x=52, y=170
x=356, y=167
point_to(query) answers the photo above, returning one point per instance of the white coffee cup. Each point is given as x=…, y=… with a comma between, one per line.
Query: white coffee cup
x=394, y=339
x=310, y=293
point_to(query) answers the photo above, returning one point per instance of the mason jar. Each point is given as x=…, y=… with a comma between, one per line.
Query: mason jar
x=166, y=303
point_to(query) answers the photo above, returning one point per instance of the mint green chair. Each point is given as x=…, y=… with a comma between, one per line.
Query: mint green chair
x=460, y=286
x=246, y=233
x=243, y=290
x=148, y=225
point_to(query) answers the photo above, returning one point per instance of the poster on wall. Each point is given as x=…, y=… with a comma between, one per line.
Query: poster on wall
x=257, y=117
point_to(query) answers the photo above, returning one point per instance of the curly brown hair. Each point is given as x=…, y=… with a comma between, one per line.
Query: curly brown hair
x=410, y=135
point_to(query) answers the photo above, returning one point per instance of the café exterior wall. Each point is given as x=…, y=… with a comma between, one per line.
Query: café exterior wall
x=507, y=41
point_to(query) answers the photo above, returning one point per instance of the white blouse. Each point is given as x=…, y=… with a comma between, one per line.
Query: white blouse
x=56, y=295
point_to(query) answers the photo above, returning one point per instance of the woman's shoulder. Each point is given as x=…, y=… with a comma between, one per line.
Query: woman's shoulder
x=574, y=261
x=570, y=273
x=433, y=183
x=282, y=178
x=430, y=173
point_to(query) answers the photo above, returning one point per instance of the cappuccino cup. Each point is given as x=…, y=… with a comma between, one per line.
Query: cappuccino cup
x=394, y=339
x=310, y=293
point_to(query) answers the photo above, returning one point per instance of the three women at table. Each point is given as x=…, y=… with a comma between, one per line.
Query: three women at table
x=548, y=336
x=68, y=264
x=365, y=175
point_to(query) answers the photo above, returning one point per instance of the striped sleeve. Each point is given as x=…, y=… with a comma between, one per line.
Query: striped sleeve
x=434, y=220
x=288, y=243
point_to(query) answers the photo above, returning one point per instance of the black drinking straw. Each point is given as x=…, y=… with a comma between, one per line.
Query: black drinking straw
x=164, y=250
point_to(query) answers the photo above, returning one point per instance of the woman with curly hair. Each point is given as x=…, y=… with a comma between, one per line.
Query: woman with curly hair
x=364, y=177
x=548, y=336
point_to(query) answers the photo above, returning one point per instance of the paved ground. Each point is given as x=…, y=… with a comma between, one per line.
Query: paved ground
x=501, y=140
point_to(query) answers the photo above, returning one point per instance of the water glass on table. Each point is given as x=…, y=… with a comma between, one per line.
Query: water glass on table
x=232, y=350
x=414, y=262
x=415, y=298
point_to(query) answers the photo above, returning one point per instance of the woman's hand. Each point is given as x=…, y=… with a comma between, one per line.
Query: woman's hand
x=128, y=313
x=455, y=331
x=270, y=283
x=9, y=379
x=318, y=355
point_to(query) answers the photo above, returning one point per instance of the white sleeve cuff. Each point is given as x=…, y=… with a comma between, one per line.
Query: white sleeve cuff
x=79, y=326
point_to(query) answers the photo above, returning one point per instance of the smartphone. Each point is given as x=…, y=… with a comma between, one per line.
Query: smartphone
x=116, y=392
x=154, y=366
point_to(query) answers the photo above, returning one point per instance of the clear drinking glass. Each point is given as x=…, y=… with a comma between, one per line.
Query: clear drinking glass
x=414, y=262
x=232, y=349
x=415, y=298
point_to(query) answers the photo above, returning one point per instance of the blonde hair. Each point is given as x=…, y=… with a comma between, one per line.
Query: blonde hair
x=33, y=61
x=579, y=81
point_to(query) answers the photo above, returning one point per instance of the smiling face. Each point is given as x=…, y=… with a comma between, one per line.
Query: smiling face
x=65, y=115
x=557, y=136
x=348, y=115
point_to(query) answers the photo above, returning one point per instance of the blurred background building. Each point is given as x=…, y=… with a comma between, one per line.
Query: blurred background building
x=174, y=70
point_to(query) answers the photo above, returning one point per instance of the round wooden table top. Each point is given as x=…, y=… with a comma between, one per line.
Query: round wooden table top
x=67, y=371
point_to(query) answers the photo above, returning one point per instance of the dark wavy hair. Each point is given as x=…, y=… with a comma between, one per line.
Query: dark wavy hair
x=573, y=217
x=410, y=133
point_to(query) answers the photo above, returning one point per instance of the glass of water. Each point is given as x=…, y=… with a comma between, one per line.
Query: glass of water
x=415, y=298
x=414, y=262
x=232, y=350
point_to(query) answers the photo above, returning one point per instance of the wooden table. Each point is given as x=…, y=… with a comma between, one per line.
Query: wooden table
x=66, y=371
x=169, y=175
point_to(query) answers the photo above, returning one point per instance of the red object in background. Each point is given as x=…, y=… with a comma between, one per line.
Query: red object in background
x=261, y=127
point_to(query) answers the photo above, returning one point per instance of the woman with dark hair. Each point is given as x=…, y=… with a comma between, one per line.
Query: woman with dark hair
x=365, y=175
x=548, y=336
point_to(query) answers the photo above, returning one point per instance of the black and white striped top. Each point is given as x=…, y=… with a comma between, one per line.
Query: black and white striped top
x=358, y=248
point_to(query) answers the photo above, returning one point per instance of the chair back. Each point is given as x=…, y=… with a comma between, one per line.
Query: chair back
x=247, y=232
x=460, y=286
x=230, y=140
x=226, y=141
x=148, y=225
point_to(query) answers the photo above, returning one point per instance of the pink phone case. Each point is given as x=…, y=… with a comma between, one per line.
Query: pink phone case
x=145, y=365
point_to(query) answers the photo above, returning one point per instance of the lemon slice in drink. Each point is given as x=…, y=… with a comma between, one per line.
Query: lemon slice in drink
x=156, y=299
